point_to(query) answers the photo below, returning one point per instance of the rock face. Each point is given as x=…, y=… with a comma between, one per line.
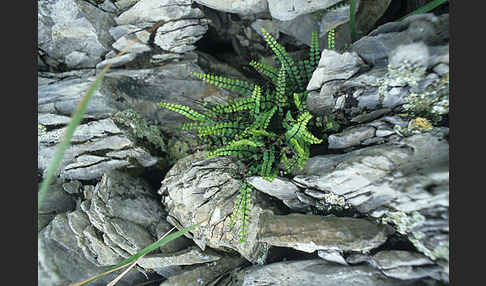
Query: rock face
x=116, y=219
x=73, y=32
x=97, y=147
x=309, y=233
x=242, y=7
x=198, y=189
x=313, y=273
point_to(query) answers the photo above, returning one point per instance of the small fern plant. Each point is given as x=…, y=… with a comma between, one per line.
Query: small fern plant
x=266, y=127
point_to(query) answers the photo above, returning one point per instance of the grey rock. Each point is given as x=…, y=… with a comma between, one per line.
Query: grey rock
x=332, y=256
x=280, y=188
x=350, y=137
x=388, y=259
x=399, y=76
x=188, y=256
x=309, y=233
x=314, y=272
x=204, y=274
x=198, y=189
x=99, y=146
x=285, y=10
x=73, y=32
x=334, y=66
x=378, y=45
x=143, y=89
x=117, y=61
x=392, y=182
x=180, y=36
x=241, y=7
x=62, y=97
x=133, y=43
x=72, y=187
x=61, y=260
x=153, y=11
x=409, y=272
x=301, y=29
x=57, y=201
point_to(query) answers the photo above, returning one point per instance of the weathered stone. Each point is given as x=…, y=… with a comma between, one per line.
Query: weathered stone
x=334, y=66
x=73, y=32
x=393, y=182
x=198, y=189
x=376, y=47
x=57, y=201
x=188, y=256
x=204, y=274
x=281, y=188
x=180, y=36
x=242, y=7
x=350, y=137
x=314, y=272
x=332, y=256
x=285, y=10
x=100, y=146
x=310, y=233
x=153, y=11
x=61, y=258
x=388, y=259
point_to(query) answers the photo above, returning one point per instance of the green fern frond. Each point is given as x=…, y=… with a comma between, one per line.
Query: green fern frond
x=241, y=210
x=314, y=54
x=267, y=165
x=330, y=39
x=265, y=69
x=285, y=60
x=235, y=85
x=233, y=106
x=237, y=148
x=184, y=110
x=225, y=129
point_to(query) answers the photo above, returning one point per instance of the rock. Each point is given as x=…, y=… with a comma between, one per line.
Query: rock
x=334, y=66
x=332, y=256
x=309, y=233
x=61, y=258
x=388, y=259
x=162, y=228
x=301, y=29
x=180, y=36
x=73, y=32
x=72, y=187
x=196, y=189
x=61, y=97
x=314, y=272
x=281, y=188
x=98, y=146
x=143, y=89
x=189, y=256
x=404, y=183
x=205, y=274
x=285, y=10
x=400, y=75
x=57, y=201
x=350, y=137
x=376, y=47
x=153, y=11
x=241, y=7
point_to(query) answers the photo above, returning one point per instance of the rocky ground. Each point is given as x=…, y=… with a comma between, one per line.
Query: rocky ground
x=371, y=206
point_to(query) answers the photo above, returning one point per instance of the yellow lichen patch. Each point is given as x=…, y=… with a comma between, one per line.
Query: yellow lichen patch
x=420, y=124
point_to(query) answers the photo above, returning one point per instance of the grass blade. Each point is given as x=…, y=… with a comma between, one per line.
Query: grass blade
x=426, y=8
x=352, y=20
x=141, y=253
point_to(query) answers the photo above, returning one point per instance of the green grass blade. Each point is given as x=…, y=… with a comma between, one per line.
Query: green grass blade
x=66, y=141
x=426, y=8
x=352, y=21
x=142, y=252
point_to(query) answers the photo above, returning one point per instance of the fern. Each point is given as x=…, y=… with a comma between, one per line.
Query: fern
x=267, y=128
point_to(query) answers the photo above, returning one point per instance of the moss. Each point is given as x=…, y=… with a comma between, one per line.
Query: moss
x=149, y=136
x=420, y=124
x=41, y=129
x=406, y=223
x=432, y=103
